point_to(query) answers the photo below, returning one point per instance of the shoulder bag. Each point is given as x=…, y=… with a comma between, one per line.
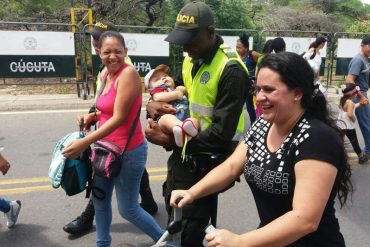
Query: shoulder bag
x=106, y=157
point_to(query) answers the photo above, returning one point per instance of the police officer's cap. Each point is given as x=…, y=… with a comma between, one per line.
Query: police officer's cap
x=100, y=27
x=191, y=18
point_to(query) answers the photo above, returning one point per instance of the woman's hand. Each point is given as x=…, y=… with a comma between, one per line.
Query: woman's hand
x=186, y=196
x=364, y=101
x=4, y=165
x=223, y=238
x=86, y=120
x=75, y=149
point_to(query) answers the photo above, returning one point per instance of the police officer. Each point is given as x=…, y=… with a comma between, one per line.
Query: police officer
x=217, y=84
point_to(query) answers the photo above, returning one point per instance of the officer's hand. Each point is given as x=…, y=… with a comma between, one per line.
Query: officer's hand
x=155, y=135
x=157, y=109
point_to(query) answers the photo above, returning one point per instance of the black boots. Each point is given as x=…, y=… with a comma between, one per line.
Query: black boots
x=83, y=223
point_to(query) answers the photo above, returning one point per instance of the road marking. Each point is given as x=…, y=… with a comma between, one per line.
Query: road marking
x=47, y=179
x=160, y=177
x=24, y=190
x=42, y=111
x=25, y=180
x=48, y=111
x=29, y=189
x=159, y=169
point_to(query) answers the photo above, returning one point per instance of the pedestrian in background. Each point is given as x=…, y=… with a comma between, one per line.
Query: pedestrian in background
x=293, y=160
x=358, y=73
x=117, y=107
x=267, y=49
x=346, y=117
x=278, y=45
x=11, y=209
x=313, y=57
x=249, y=58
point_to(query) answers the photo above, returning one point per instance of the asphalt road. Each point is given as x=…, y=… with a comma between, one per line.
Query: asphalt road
x=29, y=137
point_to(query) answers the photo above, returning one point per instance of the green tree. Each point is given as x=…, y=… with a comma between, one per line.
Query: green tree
x=231, y=14
x=33, y=10
x=324, y=15
x=327, y=15
x=360, y=27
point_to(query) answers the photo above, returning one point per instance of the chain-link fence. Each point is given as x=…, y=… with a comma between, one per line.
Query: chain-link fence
x=53, y=50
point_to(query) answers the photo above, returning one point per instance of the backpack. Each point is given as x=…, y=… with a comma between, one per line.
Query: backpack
x=71, y=174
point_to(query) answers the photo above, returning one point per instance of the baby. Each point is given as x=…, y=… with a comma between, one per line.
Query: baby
x=162, y=88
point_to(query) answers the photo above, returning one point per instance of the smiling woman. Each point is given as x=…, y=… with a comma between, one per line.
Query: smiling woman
x=291, y=155
x=112, y=52
x=118, y=105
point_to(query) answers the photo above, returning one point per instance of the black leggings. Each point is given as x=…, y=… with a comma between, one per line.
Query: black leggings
x=351, y=134
x=144, y=184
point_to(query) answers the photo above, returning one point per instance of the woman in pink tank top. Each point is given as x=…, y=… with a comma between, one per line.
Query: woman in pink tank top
x=118, y=104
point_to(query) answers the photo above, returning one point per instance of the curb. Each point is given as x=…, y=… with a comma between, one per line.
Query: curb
x=47, y=102
x=10, y=102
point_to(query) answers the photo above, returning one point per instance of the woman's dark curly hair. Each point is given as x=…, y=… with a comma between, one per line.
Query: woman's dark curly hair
x=111, y=34
x=295, y=72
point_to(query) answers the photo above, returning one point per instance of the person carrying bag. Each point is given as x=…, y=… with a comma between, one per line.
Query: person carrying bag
x=106, y=157
x=117, y=105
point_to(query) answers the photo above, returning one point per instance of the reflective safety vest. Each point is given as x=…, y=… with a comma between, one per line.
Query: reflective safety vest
x=203, y=88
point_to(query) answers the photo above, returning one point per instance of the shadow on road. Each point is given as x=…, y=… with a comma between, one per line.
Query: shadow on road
x=26, y=235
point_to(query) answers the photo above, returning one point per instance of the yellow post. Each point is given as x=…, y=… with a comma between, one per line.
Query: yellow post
x=83, y=58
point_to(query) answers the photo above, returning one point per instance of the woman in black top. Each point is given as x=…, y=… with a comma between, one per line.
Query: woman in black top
x=293, y=159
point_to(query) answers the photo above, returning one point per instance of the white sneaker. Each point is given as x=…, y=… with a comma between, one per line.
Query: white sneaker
x=12, y=214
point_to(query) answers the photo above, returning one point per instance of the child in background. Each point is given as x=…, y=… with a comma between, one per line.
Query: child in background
x=347, y=118
x=9, y=208
x=162, y=88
